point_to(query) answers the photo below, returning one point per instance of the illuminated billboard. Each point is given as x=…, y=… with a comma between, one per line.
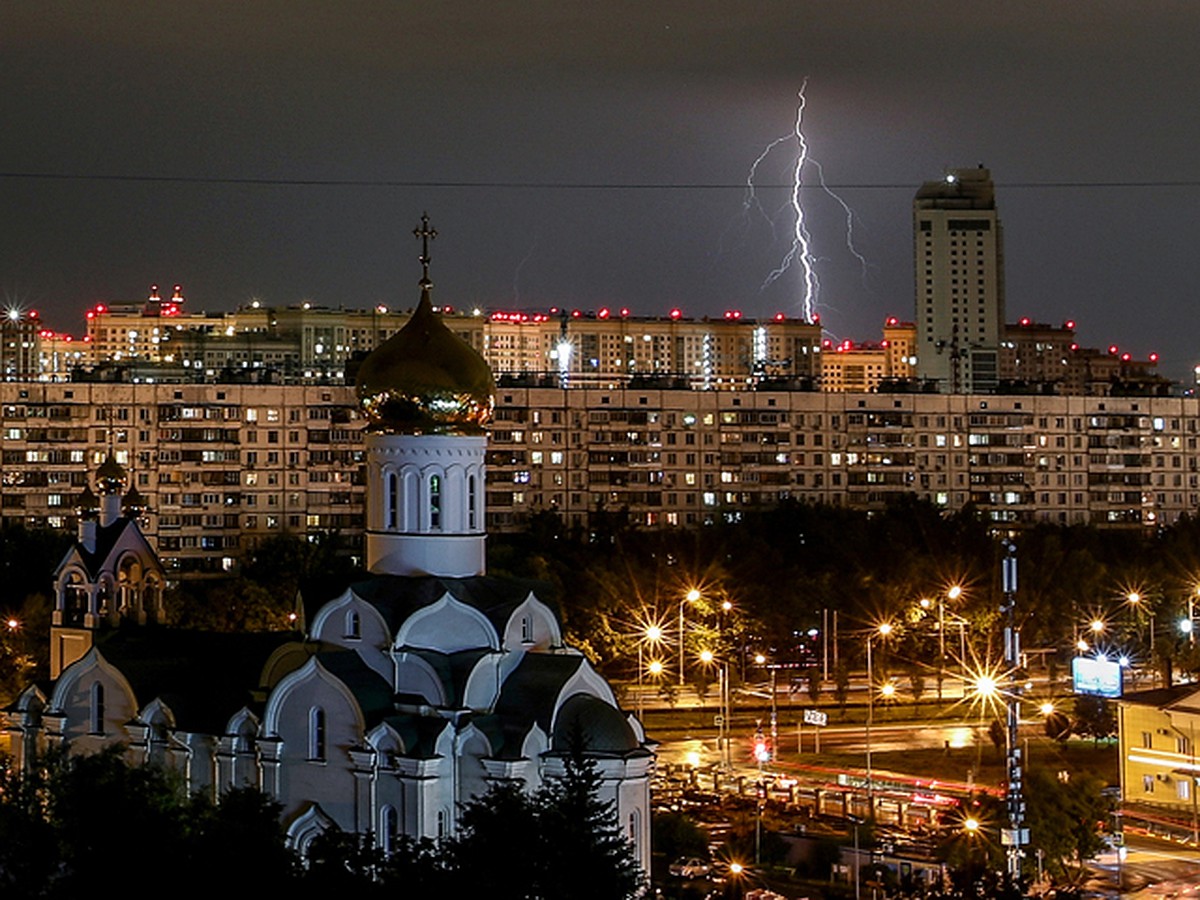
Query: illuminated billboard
x=1097, y=676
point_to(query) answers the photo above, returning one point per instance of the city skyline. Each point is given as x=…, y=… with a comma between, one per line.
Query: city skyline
x=583, y=160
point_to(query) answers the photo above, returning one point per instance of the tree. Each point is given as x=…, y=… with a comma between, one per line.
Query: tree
x=1093, y=717
x=916, y=684
x=584, y=853
x=812, y=677
x=1065, y=820
x=494, y=830
x=1057, y=726
x=66, y=819
x=841, y=685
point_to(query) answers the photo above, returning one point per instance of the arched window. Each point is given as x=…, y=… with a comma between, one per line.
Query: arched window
x=353, y=624
x=388, y=823
x=441, y=824
x=316, y=733
x=471, y=503
x=526, y=630
x=435, y=502
x=96, y=709
x=393, y=500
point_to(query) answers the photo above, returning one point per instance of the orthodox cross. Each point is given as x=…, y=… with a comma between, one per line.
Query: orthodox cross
x=425, y=234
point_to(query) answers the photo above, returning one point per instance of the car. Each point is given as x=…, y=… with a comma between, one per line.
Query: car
x=689, y=867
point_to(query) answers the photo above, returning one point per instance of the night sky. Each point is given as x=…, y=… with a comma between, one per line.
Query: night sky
x=590, y=154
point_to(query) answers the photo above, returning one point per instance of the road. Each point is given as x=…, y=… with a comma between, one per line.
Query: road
x=1152, y=870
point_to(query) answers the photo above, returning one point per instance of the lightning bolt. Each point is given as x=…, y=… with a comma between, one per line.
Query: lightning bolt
x=854, y=251
x=517, y=273
x=800, y=250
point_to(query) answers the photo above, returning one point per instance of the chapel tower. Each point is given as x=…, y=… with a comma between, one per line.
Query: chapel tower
x=428, y=399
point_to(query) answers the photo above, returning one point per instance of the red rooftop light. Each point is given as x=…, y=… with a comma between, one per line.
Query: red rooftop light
x=676, y=313
x=780, y=317
x=1153, y=357
x=624, y=311
x=1125, y=357
x=1025, y=320
x=1112, y=349
x=603, y=314
x=575, y=314
x=892, y=320
x=1070, y=323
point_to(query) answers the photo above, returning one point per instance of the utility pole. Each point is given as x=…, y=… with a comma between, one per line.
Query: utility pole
x=1016, y=835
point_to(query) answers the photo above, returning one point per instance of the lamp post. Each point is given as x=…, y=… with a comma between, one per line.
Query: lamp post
x=883, y=631
x=690, y=597
x=653, y=636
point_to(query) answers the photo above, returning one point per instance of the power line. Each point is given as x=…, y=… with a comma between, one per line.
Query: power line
x=558, y=185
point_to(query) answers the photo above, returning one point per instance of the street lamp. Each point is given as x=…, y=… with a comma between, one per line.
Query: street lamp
x=883, y=630
x=691, y=596
x=708, y=658
x=652, y=635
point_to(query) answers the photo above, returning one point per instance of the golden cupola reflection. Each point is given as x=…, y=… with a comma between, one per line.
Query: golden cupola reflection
x=426, y=380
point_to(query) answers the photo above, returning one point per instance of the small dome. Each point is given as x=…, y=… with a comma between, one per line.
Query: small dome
x=111, y=476
x=87, y=503
x=425, y=379
x=600, y=726
x=133, y=504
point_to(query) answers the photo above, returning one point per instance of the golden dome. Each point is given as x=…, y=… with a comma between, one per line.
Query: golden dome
x=111, y=476
x=425, y=379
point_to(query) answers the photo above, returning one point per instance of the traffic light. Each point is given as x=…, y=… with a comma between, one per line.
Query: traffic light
x=762, y=747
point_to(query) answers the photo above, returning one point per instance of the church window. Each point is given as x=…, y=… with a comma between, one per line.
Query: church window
x=392, y=499
x=435, y=502
x=441, y=824
x=471, y=516
x=96, y=709
x=316, y=733
x=526, y=630
x=388, y=825
x=353, y=624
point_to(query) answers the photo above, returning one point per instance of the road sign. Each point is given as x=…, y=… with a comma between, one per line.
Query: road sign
x=815, y=717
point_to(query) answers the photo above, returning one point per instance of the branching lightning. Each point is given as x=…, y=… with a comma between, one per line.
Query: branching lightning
x=800, y=251
x=862, y=260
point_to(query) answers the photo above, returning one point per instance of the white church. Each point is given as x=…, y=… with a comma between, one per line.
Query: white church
x=407, y=695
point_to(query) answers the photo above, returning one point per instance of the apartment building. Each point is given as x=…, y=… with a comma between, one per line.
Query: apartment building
x=958, y=254
x=224, y=465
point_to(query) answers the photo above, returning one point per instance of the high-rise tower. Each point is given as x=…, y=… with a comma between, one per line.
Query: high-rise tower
x=959, y=265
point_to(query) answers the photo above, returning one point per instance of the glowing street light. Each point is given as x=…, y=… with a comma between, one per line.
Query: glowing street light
x=882, y=630
x=692, y=596
x=652, y=635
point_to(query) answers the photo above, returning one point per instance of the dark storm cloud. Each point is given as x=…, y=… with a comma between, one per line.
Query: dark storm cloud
x=629, y=94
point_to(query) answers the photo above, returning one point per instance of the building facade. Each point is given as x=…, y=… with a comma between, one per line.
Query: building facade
x=403, y=699
x=1158, y=730
x=958, y=254
x=223, y=465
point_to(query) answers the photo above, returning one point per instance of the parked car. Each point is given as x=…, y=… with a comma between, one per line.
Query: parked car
x=689, y=867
